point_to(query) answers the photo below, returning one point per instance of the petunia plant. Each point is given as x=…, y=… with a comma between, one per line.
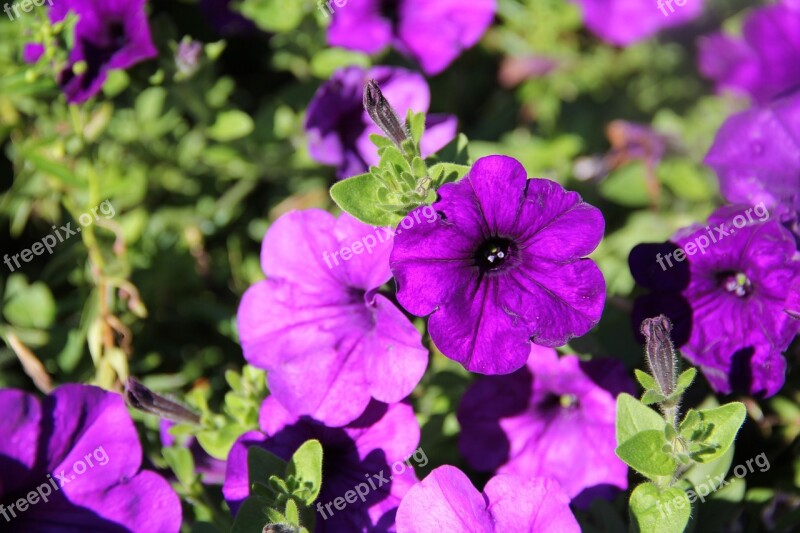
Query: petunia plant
x=403, y=179
x=663, y=448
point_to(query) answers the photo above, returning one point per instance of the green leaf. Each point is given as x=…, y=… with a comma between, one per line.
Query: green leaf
x=359, y=197
x=442, y=173
x=713, y=429
x=251, y=516
x=231, y=125
x=633, y=417
x=273, y=15
x=47, y=166
x=656, y=511
x=702, y=472
x=181, y=462
x=644, y=452
x=380, y=141
x=218, y=442
x=684, y=380
x=328, y=60
x=150, y=105
x=261, y=465
x=292, y=513
x=416, y=125
x=306, y=467
x=30, y=306
x=645, y=380
x=627, y=185
x=650, y=397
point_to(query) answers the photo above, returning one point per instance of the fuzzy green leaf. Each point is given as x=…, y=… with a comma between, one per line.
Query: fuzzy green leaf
x=644, y=453
x=656, y=511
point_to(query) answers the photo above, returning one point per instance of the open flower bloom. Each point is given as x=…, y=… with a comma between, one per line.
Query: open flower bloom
x=537, y=422
x=328, y=340
x=446, y=500
x=74, y=459
x=434, y=33
x=339, y=128
x=624, y=22
x=763, y=63
x=502, y=267
x=110, y=34
x=726, y=296
x=756, y=155
x=367, y=456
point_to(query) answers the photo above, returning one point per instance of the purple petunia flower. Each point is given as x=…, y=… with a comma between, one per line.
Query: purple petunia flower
x=447, y=501
x=756, y=155
x=329, y=341
x=74, y=459
x=367, y=456
x=434, y=33
x=763, y=63
x=624, y=22
x=726, y=296
x=110, y=34
x=502, y=267
x=339, y=127
x=537, y=421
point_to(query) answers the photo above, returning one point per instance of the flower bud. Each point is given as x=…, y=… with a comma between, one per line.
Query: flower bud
x=660, y=352
x=140, y=397
x=383, y=114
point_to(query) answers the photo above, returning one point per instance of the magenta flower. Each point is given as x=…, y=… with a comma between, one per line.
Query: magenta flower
x=756, y=155
x=73, y=458
x=446, y=500
x=726, y=296
x=432, y=33
x=110, y=34
x=319, y=327
x=370, y=456
x=339, y=128
x=502, y=267
x=762, y=64
x=537, y=422
x=624, y=22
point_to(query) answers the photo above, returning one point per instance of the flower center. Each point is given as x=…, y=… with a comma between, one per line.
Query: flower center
x=494, y=253
x=568, y=400
x=736, y=283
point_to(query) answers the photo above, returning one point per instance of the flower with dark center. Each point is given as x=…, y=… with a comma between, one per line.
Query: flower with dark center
x=726, y=300
x=434, y=33
x=502, y=267
x=538, y=421
x=110, y=35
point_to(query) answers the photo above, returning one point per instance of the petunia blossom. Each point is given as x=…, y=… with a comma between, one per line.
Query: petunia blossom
x=625, y=22
x=74, y=459
x=446, y=500
x=433, y=33
x=339, y=128
x=109, y=35
x=319, y=327
x=369, y=456
x=502, y=267
x=724, y=286
x=537, y=422
x=761, y=63
x=756, y=155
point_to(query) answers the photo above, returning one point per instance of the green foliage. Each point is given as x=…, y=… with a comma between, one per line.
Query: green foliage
x=659, y=511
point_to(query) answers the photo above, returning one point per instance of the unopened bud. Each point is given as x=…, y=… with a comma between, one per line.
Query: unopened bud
x=660, y=352
x=383, y=114
x=141, y=398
